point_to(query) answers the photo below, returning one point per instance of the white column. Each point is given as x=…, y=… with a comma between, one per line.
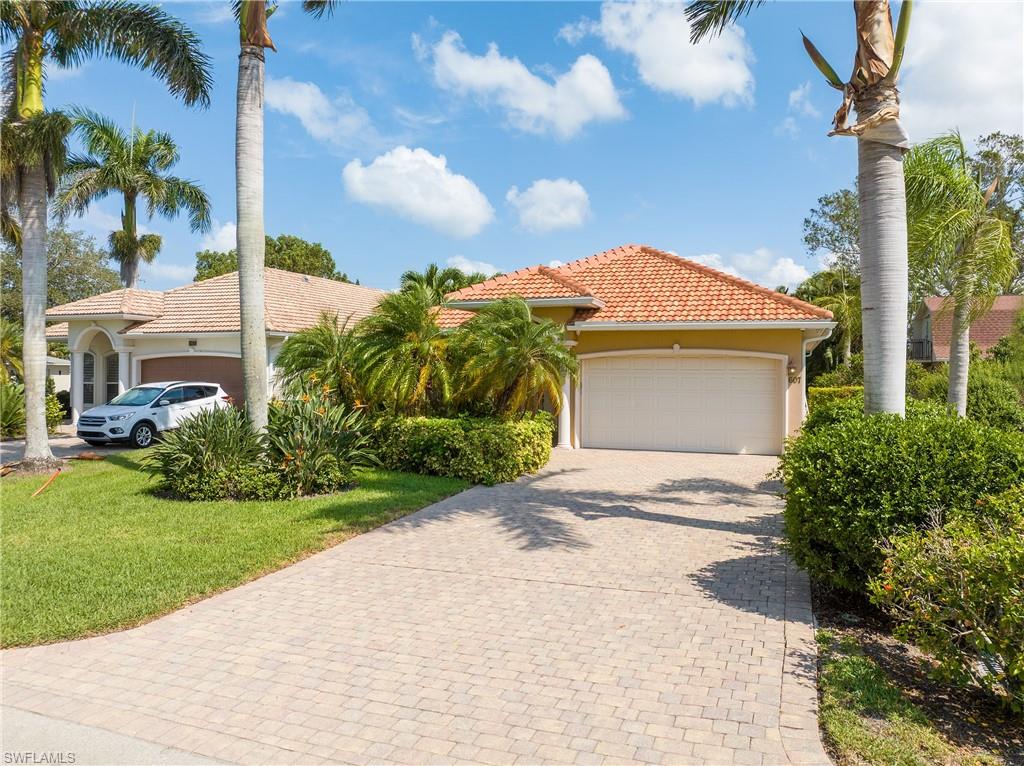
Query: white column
x=124, y=371
x=77, y=385
x=564, y=417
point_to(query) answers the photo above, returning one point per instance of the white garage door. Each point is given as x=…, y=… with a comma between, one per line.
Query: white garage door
x=683, y=403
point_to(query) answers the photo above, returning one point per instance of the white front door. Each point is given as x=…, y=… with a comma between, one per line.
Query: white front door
x=731, y=404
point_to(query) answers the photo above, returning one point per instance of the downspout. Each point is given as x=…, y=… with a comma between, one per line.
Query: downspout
x=815, y=339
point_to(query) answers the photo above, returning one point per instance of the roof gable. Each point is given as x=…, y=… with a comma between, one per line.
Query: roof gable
x=641, y=284
x=127, y=301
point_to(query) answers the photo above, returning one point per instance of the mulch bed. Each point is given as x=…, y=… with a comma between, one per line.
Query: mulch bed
x=967, y=718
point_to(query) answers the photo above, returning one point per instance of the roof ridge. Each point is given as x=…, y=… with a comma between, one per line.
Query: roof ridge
x=565, y=281
x=739, y=282
x=326, y=280
x=605, y=255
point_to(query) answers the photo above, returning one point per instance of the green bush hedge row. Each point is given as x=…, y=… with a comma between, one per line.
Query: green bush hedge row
x=855, y=481
x=479, y=450
x=819, y=395
x=12, y=411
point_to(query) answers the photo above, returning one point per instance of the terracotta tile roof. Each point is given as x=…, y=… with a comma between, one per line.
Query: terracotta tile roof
x=293, y=302
x=986, y=330
x=57, y=331
x=449, y=318
x=638, y=283
x=531, y=282
x=130, y=301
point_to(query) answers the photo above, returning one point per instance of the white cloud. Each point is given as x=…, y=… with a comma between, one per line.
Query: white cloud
x=419, y=186
x=550, y=204
x=339, y=121
x=800, y=101
x=657, y=36
x=167, y=273
x=761, y=266
x=964, y=68
x=555, y=263
x=221, y=238
x=468, y=266
x=563, y=105
x=216, y=13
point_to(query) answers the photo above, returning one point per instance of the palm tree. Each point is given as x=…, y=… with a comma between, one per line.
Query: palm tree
x=959, y=244
x=252, y=18
x=320, y=356
x=10, y=351
x=512, y=360
x=881, y=142
x=135, y=166
x=66, y=33
x=841, y=296
x=439, y=282
x=401, y=353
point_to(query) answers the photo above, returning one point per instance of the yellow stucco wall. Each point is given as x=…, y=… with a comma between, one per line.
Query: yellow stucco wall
x=787, y=342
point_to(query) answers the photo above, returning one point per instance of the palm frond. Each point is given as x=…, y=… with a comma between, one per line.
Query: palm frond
x=319, y=8
x=710, y=17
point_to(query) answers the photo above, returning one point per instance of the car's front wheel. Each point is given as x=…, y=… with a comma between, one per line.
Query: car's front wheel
x=142, y=435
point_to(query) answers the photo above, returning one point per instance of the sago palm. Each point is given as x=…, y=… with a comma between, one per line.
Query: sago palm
x=136, y=166
x=252, y=18
x=320, y=357
x=510, y=359
x=401, y=354
x=959, y=245
x=65, y=33
x=881, y=142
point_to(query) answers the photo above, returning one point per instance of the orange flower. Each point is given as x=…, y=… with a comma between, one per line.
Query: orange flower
x=305, y=397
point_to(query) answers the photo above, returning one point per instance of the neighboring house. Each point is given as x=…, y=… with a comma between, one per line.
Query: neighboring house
x=126, y=337
x=932, y=327
x=674, y=355
x=59, y=370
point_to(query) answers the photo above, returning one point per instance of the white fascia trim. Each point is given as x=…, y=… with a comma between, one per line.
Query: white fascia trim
x=581, y=302
x=198, y=334
x=744, y=325
x=97, y=317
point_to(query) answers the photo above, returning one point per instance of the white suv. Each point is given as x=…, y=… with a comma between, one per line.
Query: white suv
x=140, y=413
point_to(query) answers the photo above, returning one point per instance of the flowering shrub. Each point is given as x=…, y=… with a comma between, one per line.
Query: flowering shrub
x=958, y=591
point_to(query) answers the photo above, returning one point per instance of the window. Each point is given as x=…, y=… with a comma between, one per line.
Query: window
x=173, y=396
x=88, y=378
x=192, y=393
x=111, y=369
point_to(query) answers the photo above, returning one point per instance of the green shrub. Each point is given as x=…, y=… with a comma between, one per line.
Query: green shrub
x=993, y=400
x=958, y=592
x=842, y=410
x=930, y=385
x=54, y=413
x=257, y=481
x=844, y=375
x=864, y=479
x=819, y=395
x=480, y=450
x=315, y=445
x=12, y=410
x=64, y=399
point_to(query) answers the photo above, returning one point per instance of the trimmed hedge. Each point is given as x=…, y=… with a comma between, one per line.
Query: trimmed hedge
x=863, y=479
x=840, y=410
x=819, y=395
x=958, y=592
x=479, y=450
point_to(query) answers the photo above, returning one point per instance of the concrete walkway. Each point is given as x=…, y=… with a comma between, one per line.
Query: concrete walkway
x=618, y=607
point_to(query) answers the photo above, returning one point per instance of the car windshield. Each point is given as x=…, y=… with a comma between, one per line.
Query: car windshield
x=135, y=397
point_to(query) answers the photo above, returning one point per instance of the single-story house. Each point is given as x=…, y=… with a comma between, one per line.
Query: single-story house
x=59, y=371
x=932, y=326
x=130, y=336
x=674, y=355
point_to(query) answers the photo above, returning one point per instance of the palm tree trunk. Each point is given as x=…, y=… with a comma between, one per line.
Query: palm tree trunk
x=130, y=261
x=883, y=259
x=251, y=239
x=32, y=210
x=959, y=358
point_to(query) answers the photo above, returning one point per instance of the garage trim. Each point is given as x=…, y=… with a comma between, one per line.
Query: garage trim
x=676, y=350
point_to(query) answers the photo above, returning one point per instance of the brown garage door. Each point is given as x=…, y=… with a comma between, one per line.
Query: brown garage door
x=210, y=369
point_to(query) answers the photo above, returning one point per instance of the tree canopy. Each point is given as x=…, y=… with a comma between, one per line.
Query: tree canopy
x=832, y=229
x=284, y=252
x=77, y=268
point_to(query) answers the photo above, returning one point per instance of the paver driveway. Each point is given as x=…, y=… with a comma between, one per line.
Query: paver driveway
x=618, y=607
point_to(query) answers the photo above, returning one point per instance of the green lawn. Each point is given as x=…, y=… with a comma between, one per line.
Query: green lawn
x=868, y=721
x=98, y=550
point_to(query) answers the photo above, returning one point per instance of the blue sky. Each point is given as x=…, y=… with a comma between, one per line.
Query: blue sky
x=508, y=134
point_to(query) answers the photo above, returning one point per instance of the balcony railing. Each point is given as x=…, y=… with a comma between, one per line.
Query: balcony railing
x=920, y=350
